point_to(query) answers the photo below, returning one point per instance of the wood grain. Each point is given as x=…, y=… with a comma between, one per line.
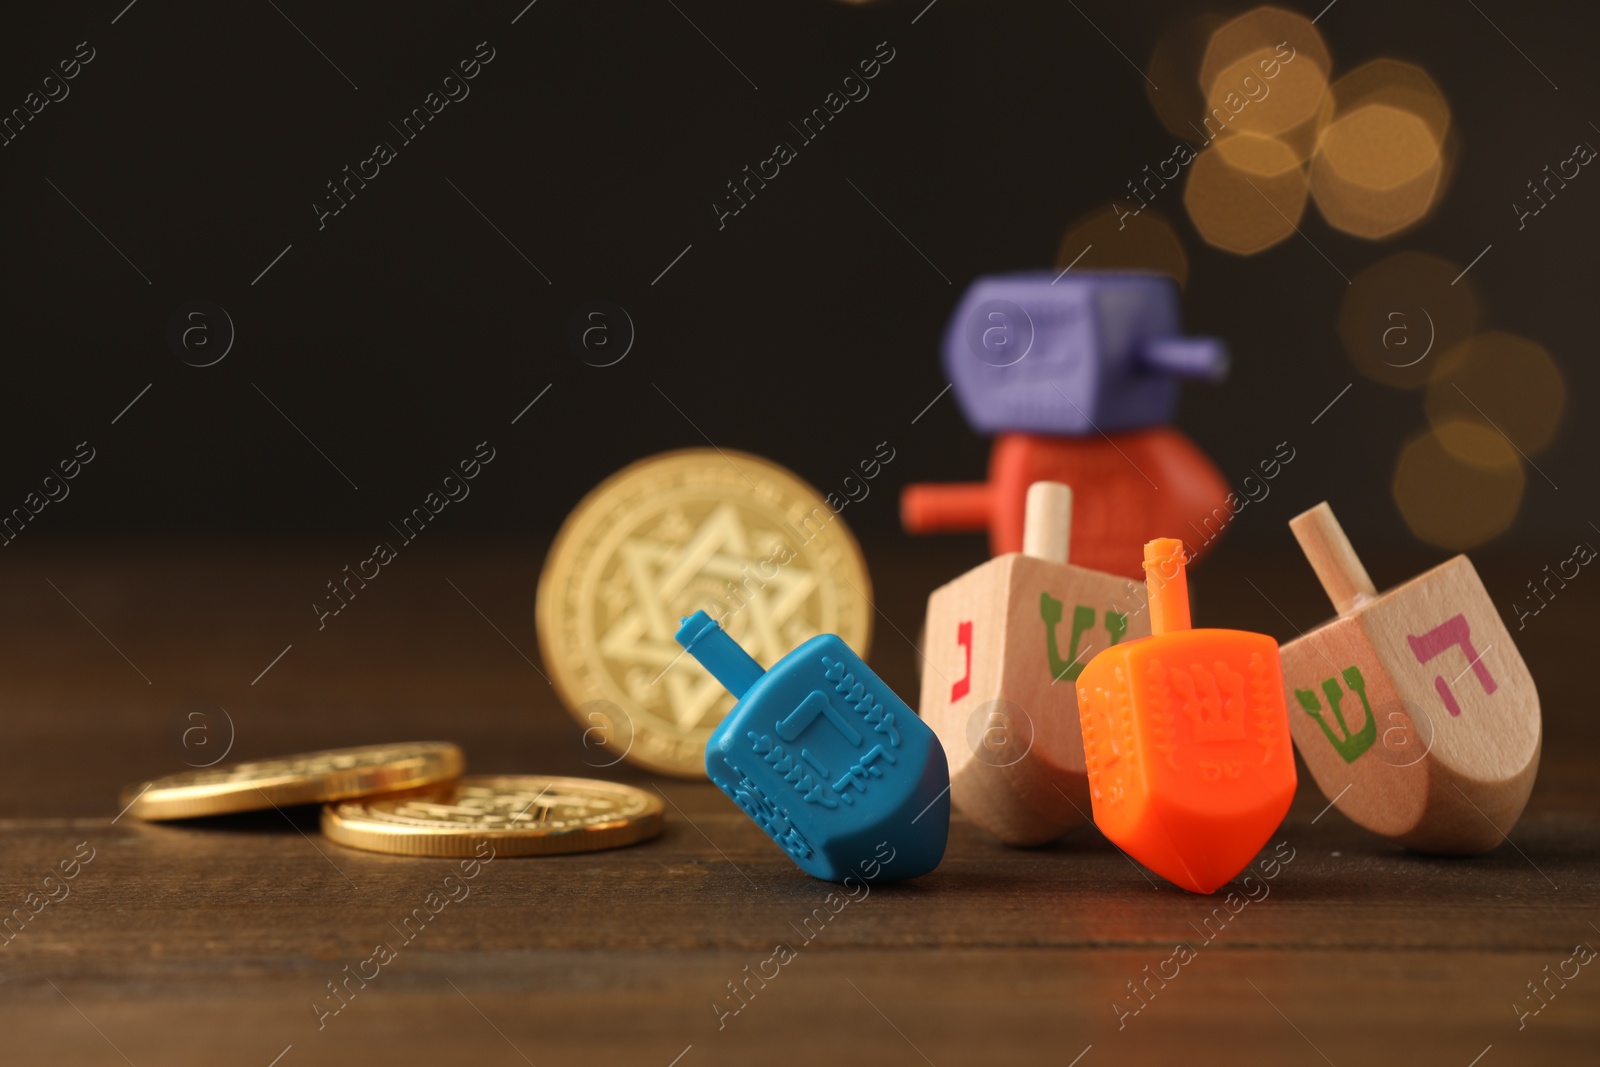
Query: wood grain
x=1413, y=710
x=1008, y=717
x=205, y=943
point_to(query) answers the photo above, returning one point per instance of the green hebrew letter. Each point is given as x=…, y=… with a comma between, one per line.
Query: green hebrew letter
x=1082, y=619
x=1350, y=745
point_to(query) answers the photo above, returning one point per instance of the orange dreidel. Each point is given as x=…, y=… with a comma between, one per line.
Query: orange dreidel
x=1130, y=487
x=1186, y=738
x=1413, y=709
x=1006, y=641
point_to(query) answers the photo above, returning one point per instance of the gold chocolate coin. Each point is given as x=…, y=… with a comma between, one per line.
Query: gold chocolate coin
x=312, y=778
x=519, y=815
x=726, y=532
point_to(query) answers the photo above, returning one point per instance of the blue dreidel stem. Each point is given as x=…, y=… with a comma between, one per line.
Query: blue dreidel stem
x=1187, y=357
x=705, y=640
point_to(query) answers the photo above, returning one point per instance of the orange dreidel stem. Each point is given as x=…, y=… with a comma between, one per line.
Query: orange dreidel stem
x=955, y=508
x=1167, y=585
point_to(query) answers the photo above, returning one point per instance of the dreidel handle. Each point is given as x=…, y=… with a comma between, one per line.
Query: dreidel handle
x=1328, y=550
x=1166, y=585
x=1047, y=522
x=1187, y=357
x=704, y=639
x=956, y=507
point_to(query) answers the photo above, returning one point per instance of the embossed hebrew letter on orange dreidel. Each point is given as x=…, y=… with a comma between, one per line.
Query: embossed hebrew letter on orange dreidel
x=1186, y=738
x=1005, y=642
x=1447, y=752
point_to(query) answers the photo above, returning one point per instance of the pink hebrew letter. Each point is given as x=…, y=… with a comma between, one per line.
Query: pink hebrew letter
x=1448, y=634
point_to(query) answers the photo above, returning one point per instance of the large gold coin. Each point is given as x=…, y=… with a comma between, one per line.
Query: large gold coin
x=519, y=815
x=727, y=532
x=312, y=778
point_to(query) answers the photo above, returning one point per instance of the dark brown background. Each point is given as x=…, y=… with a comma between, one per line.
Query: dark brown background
x=408, y=330
x=190, y=550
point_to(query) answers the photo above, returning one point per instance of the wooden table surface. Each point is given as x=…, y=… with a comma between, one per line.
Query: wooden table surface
x=208, y=943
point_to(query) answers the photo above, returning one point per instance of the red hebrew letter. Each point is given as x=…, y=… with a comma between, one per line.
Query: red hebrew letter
x=964, y=639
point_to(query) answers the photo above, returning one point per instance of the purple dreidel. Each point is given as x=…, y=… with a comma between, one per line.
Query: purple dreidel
x=1073, y=354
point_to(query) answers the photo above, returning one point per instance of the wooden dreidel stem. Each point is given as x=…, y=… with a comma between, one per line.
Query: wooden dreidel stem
x=1186, y=738
x=1047, y=526
x=1330, y=554
x=1412, y=709
x=1005, y=642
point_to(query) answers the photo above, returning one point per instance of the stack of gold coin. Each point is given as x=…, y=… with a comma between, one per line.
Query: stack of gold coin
x=310, y=778
x=410, y=799
x=706, y=529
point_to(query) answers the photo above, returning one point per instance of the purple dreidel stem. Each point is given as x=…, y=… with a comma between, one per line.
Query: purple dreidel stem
x=1187, y=357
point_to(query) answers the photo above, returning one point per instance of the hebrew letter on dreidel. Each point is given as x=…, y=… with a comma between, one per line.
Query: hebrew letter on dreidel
x=963, y=686
x=1350, y=745
x=816, y=703
x=1082, y=619
x=1453, y=631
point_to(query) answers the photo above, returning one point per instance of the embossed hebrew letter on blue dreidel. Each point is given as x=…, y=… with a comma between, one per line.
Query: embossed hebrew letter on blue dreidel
x=1073, y=354
x=824, y=757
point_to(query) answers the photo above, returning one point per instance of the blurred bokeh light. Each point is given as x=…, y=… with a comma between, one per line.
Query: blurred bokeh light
x=1264, y=28
x=1256, y=92
x=1266, y=73
x=1458, y=484
x=1382, y=164
x=1505, y=381
x=1401, y=314
x=1103, y=240
x=1376, y=171
x=1405, y=86
x=1173, y=82
x=1242, y=212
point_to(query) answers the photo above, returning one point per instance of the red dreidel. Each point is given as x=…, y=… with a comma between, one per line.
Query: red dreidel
x=1130, y=487
x=1412, y=709
x=1186, y=738
x=1006, y=643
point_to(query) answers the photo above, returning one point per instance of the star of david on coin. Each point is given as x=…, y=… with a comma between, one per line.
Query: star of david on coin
x=701, y=529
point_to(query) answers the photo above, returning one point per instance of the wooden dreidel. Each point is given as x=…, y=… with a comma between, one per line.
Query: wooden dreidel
x=1413, y=709
x=1186, y=738
x=1006, y=641
x=825, y=758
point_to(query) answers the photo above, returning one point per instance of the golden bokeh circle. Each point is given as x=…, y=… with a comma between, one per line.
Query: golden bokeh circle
x=1264, y=28
x=1294, y=105
x=1398, y=84
x=1240, y=212
x=1377, y=170
x=1400, y=315
x=1503, y=380
x=1458, y=484
x=1257, y=155
x=1174, y=67
x=1123, y=241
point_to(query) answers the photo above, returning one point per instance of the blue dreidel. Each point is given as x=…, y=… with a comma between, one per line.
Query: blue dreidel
x=1073, y=354
x=825, y=758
